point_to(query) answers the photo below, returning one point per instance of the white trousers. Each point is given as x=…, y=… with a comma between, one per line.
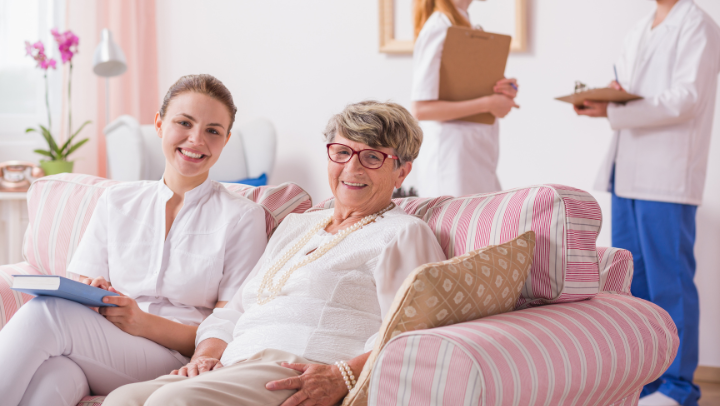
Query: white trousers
x=54, y=352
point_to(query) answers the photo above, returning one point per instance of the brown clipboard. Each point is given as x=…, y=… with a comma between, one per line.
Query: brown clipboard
x=604, y=94
x=472, y=62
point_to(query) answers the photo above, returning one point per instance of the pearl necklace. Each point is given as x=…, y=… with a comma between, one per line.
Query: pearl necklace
x=267, y=280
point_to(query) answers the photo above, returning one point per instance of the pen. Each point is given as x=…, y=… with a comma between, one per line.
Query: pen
x=616, y=75
x=514, y=86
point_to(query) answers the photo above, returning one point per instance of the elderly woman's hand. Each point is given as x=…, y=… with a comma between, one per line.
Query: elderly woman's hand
x=197, y=366
x=319, y=385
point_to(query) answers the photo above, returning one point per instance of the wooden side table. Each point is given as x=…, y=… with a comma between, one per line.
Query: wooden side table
x=13, y=212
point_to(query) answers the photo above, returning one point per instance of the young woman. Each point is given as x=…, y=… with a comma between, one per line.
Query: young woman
x=457, y=157
x=173, y=249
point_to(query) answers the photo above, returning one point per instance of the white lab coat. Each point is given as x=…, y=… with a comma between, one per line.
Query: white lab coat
x=660, y=146
x=457, y=158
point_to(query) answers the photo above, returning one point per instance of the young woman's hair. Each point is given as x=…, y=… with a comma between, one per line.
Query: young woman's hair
x=203, y=84
x=423, y=9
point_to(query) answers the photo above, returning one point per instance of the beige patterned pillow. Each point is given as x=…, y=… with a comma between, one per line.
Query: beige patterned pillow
x=478, y=284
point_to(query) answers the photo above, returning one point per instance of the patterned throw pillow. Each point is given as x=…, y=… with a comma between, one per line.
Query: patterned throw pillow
x=478, y=284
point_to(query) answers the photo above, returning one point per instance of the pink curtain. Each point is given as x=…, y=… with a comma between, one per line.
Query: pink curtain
x=135, y=92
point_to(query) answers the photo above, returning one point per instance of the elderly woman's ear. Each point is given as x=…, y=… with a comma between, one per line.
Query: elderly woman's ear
x=404, y=170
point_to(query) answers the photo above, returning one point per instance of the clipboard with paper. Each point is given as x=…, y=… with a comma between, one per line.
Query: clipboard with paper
x=472, y=62
x=603, y=94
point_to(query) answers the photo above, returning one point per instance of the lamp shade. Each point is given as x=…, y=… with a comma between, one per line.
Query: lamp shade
x=109, y=59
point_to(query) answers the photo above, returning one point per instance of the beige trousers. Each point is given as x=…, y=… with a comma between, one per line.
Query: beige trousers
x=241, y=384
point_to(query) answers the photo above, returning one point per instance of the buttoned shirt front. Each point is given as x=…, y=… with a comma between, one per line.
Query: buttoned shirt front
x=213, y=244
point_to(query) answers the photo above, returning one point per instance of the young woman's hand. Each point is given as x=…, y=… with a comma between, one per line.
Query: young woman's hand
x=197, y=366
x=505, y=87
x=501, y=105
x=127, y=316
x=98, y=282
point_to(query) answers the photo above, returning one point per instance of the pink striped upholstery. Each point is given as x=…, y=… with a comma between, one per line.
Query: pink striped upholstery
x=616, y=270
x=91, y=401
x=630, y=400
x=596, y=352
x=566, y=222
x=60, y=208
x=11, y=300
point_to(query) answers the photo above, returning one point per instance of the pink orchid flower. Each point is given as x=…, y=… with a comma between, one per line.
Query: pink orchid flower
x=37, y=52
x=67, y=44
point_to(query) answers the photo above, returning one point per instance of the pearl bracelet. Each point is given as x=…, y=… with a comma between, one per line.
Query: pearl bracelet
x=347, y=374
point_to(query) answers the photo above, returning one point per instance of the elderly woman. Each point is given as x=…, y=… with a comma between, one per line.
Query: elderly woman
x=302, y=325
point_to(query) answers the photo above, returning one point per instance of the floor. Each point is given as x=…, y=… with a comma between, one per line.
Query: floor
x=710, y=394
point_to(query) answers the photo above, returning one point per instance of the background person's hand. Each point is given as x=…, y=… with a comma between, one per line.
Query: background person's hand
x=505, y=87
x=319, y=385
x=98, y=282
x=615, y=85
x=127, y=316
x=198, y=366
x=592, y=109
x=501, y=105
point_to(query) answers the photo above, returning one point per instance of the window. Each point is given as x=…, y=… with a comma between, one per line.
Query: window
x=22, y=89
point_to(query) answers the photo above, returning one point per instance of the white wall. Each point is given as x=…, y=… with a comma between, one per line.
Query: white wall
x=297, y=63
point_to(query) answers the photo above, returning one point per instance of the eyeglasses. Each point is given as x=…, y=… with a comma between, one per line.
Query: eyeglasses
x=369, y=158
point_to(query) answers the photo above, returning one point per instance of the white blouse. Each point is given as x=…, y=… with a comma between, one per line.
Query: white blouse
x=332, y=308
x=213, y=244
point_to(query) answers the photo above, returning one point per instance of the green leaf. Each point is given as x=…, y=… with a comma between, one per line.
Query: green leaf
x=43, y=152
x=50, y=140
x=80, y=129
x=65, y=145
x=69, y=141
x=76, y=146
x=31, y=130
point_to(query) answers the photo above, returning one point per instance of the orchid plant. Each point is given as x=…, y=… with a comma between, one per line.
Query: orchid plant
x=68, y=47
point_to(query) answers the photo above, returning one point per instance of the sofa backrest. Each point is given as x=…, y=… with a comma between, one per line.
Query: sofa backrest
x=566, y=222
x=60, y=207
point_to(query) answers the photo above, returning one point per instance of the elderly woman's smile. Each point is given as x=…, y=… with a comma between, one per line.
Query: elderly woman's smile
x=361, y=188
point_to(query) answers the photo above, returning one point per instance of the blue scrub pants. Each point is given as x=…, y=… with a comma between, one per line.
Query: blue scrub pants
x=661, y=237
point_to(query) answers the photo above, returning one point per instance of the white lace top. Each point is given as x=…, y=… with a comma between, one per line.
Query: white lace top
x=332, y=308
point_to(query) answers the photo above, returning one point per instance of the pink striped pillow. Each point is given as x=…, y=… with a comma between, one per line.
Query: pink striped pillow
x=60, y=208
x=616, y=270
x=566, y=222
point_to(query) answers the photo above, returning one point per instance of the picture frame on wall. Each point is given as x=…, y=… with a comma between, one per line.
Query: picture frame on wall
x=507, y=17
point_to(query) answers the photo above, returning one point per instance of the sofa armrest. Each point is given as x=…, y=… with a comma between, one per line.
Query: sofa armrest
x=616, y=270
x=597, y=351
x=10, y=301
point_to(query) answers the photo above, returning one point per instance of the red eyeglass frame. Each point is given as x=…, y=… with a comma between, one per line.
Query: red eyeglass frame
x=386, y=156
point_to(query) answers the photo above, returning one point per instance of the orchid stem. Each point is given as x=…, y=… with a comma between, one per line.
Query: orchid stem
x=70, y=102
x=47, y=102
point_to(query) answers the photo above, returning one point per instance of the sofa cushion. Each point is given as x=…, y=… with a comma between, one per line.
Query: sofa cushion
x=566, y=222
x=60, y=207
x=478, y=284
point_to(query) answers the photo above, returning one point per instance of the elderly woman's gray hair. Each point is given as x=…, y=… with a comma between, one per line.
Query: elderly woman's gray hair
x=378, y=125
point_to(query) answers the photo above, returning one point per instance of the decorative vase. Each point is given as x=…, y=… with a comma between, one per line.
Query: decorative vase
x=55, y=167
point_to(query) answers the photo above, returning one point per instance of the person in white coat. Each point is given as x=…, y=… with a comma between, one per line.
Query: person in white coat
x=656, y=170
x=457, y=158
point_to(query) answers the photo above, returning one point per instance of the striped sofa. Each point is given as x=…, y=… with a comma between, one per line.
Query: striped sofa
x=577, y=337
